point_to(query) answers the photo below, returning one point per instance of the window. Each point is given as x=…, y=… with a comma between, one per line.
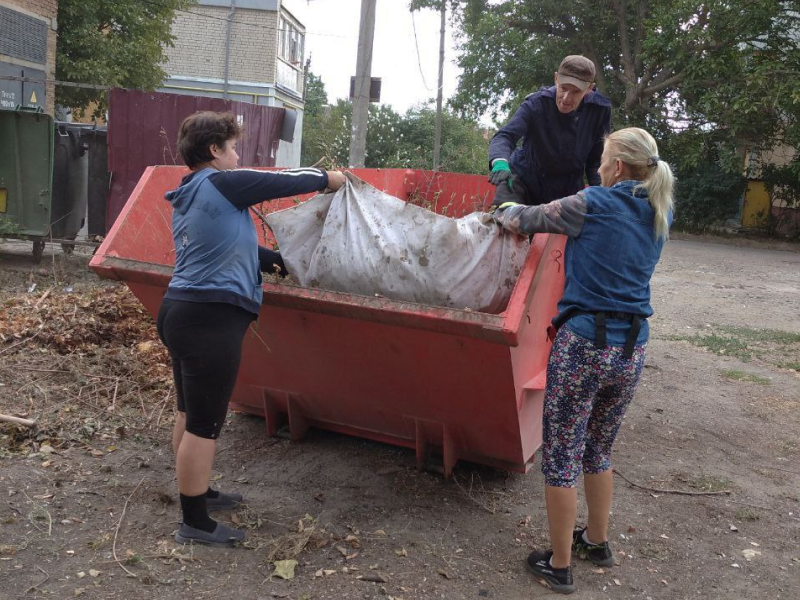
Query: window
x=291, y=42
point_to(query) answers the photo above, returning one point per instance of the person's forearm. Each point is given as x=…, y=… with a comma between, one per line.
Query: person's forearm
x=565, y=216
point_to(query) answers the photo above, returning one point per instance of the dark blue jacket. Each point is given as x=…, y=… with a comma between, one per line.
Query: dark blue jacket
x=557, y=149
x=216, y=245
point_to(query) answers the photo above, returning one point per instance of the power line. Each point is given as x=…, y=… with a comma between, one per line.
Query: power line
x=244, y=23
x=419, y=59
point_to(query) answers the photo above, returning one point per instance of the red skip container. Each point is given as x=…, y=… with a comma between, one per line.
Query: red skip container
x=451, y=384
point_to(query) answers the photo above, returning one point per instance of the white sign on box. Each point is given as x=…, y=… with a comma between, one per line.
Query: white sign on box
x=360, y=240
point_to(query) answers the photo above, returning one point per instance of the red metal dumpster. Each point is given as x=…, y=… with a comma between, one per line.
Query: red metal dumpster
x=451, y=384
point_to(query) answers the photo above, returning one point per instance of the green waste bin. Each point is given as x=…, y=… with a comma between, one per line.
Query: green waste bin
x=26, y=174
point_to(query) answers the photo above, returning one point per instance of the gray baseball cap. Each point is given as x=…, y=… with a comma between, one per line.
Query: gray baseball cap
x=576, y=70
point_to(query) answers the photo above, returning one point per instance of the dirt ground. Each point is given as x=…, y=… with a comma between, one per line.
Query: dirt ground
x=87, y=500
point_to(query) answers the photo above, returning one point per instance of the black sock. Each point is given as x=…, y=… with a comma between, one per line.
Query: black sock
x=212, y=493
x=195, y=513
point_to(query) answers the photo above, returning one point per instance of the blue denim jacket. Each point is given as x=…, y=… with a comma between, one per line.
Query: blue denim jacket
x=610, y=256
x=610, y=264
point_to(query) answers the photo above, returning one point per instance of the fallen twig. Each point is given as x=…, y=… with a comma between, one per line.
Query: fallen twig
x=114, y=399
x=260, y=215
x=660, y=491
x=41, y=583
x=491, y=511
x=116, y=532
x=161, y=412
x=42, y=299
x=17, y=420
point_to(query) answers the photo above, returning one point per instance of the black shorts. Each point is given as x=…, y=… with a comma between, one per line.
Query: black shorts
x=204, y=340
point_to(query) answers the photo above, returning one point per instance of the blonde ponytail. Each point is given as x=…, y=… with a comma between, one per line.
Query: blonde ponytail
x=637, y=148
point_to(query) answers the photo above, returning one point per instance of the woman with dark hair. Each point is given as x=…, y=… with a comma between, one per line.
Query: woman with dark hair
x=616, y=233
x=214, y=295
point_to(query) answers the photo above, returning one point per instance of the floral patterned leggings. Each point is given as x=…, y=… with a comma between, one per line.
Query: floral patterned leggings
x=588, y=391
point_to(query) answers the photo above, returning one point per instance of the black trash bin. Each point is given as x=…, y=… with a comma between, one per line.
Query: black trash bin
x=99, y=180
x=70, y=181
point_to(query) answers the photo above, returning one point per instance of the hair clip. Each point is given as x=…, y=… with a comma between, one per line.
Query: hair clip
x=652, y=161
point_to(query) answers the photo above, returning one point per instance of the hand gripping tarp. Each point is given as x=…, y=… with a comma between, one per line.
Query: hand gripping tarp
x=360, y=240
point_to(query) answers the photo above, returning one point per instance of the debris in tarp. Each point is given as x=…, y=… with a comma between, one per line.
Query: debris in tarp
x=363, y=241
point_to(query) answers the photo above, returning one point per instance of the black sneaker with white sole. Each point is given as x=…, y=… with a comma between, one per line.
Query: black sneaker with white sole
x=598, y=554
x=558, y=580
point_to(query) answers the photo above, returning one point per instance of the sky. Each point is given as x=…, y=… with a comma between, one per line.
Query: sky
x=408, y=78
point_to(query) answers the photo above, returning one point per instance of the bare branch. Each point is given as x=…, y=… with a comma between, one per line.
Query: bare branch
x=641, y=15
x=664, y=84
x=619, y=7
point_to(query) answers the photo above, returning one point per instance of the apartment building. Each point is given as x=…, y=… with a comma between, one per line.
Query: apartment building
x=245, y=50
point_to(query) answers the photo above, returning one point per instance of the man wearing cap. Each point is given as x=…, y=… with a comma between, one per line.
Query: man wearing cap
x=562, y=129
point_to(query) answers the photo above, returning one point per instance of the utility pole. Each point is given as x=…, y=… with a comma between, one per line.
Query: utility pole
x=358, y=135
x=437, y=136
x=228, y=27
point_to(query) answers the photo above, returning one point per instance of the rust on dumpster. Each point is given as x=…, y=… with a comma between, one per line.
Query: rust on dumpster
x=449, y=384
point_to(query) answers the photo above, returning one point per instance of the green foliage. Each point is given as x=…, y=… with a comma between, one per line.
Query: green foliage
x=118, y=43
x=393, y=140
x=783, y=183
x=313, y=118
x=722, y=77
x=464, y=148
x=705, y=195
x=8, y=227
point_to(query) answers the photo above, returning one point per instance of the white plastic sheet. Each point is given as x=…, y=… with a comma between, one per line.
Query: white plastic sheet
x=360, y=240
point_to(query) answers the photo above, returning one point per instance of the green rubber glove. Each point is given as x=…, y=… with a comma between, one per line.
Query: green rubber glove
x=501, y=172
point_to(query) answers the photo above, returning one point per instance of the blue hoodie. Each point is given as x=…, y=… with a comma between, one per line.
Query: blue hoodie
x=216, y=245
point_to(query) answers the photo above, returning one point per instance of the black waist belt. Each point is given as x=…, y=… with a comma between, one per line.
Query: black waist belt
x=600, y=318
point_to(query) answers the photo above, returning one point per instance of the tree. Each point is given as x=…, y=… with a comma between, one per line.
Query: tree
x=315, y=101
x=465, y=149
x=710, y=80
x=114, y=43
x=712, y=62
x=395, y=141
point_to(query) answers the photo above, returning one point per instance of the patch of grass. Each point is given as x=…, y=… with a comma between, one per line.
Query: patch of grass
x=710, y=483
x=99, y=542
x=775, y=336
x=793, y=366
x=718, y=344
x=742, y=376
x=741, y=342
x=747, y=514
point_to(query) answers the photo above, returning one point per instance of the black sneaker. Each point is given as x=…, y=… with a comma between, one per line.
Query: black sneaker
x=223, y=501
x=598, y=554
x=558, y=580
x=221, y=536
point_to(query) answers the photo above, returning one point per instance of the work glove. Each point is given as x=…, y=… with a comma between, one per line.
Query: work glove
x=501, y=172
x=494, y=210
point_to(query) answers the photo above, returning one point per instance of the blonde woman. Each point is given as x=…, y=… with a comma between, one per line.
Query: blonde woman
x=616, y=234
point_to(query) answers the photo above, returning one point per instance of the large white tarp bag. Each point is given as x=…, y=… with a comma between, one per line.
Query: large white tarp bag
x=360, y=240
